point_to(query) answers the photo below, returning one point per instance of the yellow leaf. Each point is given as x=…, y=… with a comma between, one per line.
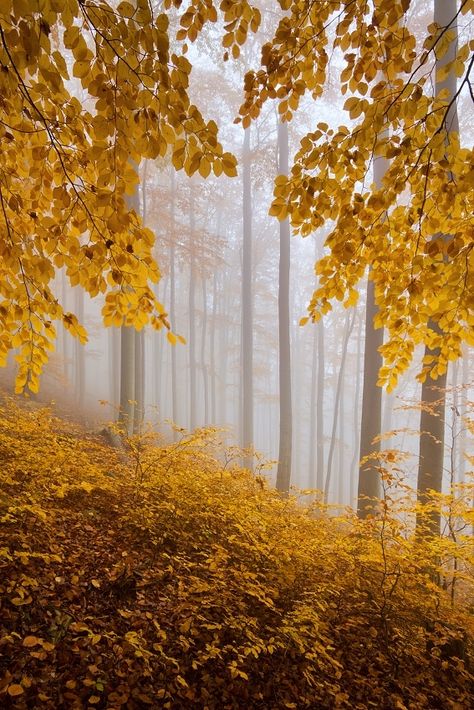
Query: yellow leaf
x=30, y=641
x=15, y=690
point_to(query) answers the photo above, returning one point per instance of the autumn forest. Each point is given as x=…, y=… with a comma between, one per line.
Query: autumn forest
x=236, y=364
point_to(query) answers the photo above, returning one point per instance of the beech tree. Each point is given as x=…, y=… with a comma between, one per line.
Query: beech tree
x=66, y=166
x=433, y=395
x=283, y=478
x=422, y=282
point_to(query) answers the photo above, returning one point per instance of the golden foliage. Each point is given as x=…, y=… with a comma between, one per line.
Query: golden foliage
x=67, y=165
x=421, y=278
x=171, y=579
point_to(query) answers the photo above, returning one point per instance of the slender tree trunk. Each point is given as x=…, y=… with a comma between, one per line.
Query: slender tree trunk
x=320, y=409
x=433, y=394
x=127, y=348
x=223, y=359
x=332, y=446
x=172, y=257
x=316, y=425
x=464, y=406
x=114, y=367
x=139, y=412
x=312, y=415
x=247, y=306
x=356, y=420
x=64, y=333
x=192, y=325
x=387, y=402
x=212, y=348
x=284, y=456
x=127, y=379
x=369, y=476
x=159, y=345
x=79, y=354
x=342, y=474
x=205, y=380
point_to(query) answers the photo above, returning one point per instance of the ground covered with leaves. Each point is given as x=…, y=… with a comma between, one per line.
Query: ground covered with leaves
x=156, y=576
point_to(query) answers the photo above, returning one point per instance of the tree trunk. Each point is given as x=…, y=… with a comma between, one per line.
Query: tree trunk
x=312, y=415
x=127, y=379
x=192, y=324
x=139, y=369
x=433, y=394
x=212, y=348
x=127, y=354
x=347, y=334
x=203, y=352
x=174, y=381
x=320, y=409
x=356, y=421
x=284, y=455
x=247, y=306
x=114, y=367
x=369, y=476
x=79, y=354
x=316, y=426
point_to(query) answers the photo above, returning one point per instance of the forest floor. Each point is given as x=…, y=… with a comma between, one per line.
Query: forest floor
x=156, y=576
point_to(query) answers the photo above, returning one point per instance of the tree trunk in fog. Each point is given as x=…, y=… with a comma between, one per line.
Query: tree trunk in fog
x=388, y=402
x=65, y=334
x=342, y=473
x=212, y=347
x=192, y=321
x=320, y=409
x=430, y=468
x=223, y=356
x=463, y=414
x=455, y=424
x=284, y=454
x=356, y=420
x=114, y=366
x=433, y=394
x=312, y=470
x=127, y=379
x=316, y=423
x=139, y=385
x=203, y=351
x=127, y=353
x=144, y=201
x=79, y=354
x=159, y=345
x=369, y=477
x=340, y=378
x=247, y=306
x=174, y=381
x=371, y=419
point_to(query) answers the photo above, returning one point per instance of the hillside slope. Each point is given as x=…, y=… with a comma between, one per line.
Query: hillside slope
x=157, y=577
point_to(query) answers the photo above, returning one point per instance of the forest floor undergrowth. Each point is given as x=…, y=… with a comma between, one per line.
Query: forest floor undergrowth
x=156, y=576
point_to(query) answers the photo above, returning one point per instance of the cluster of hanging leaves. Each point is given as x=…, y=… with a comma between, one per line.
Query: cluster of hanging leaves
x=87, y=89
x=415, y=230
x=157, y=576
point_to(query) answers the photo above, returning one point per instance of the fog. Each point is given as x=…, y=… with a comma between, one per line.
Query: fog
x=199, y=226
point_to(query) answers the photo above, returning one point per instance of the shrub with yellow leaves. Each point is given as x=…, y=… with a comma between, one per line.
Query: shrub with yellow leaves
x=156, y=576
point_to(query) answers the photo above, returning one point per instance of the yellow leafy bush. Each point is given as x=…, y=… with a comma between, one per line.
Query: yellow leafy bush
x=158, y=576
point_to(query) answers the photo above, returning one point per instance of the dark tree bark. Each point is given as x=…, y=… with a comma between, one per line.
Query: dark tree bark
x=371, y=419
x=433, y=394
